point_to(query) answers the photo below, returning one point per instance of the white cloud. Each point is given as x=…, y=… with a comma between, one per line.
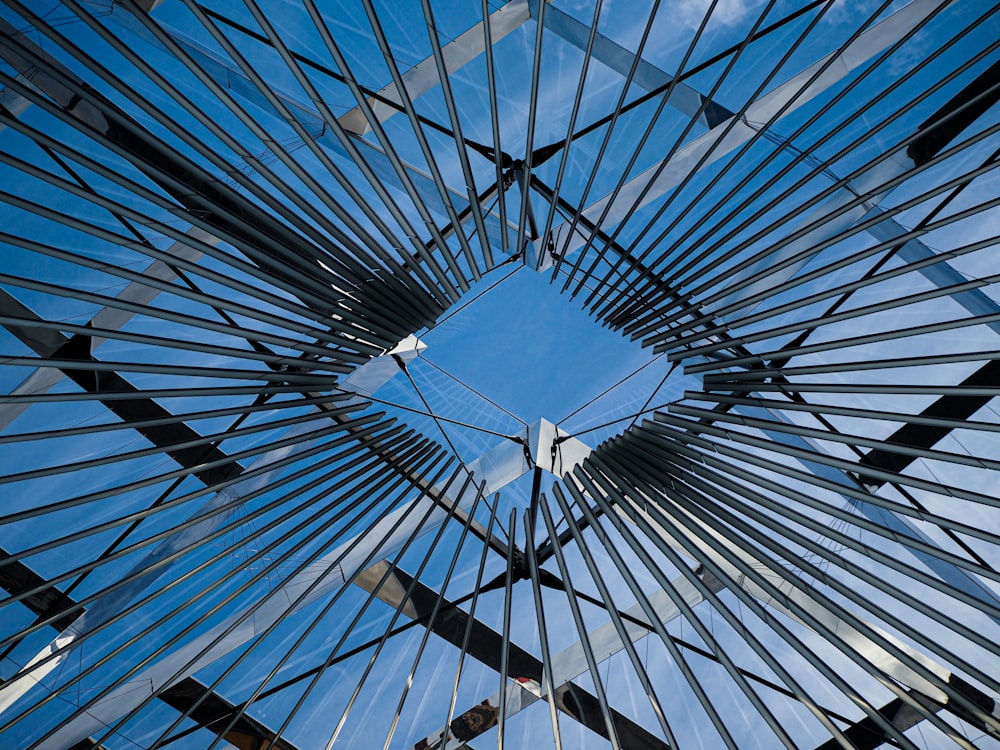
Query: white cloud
x=691, y=12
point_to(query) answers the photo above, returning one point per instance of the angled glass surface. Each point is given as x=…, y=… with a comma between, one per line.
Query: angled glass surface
x=457, y=375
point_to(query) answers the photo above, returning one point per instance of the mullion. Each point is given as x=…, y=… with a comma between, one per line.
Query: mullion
x=701, y=67
x=250, y=611
x=677, y=145
x=803, y=154
x=359, y=463
x=428, y=555
x=620, y=107
x=760, y=131
x=397, y=165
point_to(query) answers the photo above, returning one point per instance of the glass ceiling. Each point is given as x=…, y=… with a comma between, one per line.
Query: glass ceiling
x=456, y=375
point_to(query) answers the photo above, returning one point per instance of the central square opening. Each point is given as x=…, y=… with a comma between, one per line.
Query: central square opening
x=515, y=351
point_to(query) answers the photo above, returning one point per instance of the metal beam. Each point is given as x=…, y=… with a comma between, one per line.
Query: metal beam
x=423, y=76
x=938, y=131
x=567, y=665
x=246, y=734
x=729, y=135
x=683, y=97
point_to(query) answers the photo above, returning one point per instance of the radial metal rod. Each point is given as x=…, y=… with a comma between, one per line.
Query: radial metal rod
x=510, y=574
x=821, y=666
x=205, y=648
x=500, y=159
x=428, y=555
x=611, y=121
x=467, y=635
x=352, y=458
x=870, y=220
x=812, y=617
x=547, y=684
x=327, y=608
x=674, y=149
x=675, y=654
x=812, y=324
x=581, y=628
x=801, y=155
x=703, y=490
x=625, y=637
x=432, y=620
x=822, y=459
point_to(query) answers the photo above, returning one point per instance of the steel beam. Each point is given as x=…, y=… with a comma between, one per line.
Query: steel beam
x=729, y=135
x=246, y=734
x=683, y=97
x=423, y=76
x=934, y=135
